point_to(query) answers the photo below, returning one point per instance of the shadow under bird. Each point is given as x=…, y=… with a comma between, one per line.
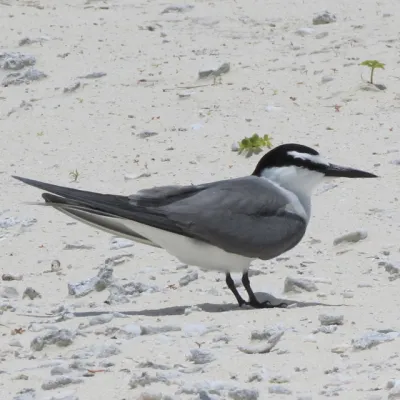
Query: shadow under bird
x=221, y=225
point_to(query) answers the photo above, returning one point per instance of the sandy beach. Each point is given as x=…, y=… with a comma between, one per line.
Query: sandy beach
x=106, y=96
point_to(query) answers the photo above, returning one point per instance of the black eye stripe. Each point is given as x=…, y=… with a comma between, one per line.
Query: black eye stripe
x=296, y=162
x=312, y=165
x=280, y=157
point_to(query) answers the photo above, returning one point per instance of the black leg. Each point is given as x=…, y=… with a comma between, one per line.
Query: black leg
x=253, y=302
x=231, y=285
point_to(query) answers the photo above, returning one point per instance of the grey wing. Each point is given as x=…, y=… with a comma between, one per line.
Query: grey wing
x=164, y=195
x=247, y=216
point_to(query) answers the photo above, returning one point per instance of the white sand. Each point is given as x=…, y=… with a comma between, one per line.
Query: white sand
x=93, y=130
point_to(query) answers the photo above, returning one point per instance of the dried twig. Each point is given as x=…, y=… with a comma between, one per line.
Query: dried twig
x=186, y=87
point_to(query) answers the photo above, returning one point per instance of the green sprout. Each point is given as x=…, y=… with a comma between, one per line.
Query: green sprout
x=74, y=175
x=373, y=64
x=253, y=145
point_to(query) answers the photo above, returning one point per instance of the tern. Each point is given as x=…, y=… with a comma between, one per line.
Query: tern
x=222, y=225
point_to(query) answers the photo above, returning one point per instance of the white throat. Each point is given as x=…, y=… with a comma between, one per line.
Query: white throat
x=300, y=181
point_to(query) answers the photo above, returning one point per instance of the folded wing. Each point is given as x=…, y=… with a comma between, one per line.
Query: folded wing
x=246, y=216
x=249, y=216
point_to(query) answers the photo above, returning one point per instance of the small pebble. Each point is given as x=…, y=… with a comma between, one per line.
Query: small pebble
x=154, y=330
x=60, y=370
x=190, y=277
x=244, y=394
x=351, y=237
x=223, y=69
x=59, y=382
x=72, y=87
x=55, y=266
x=59, y=337
x=200, y=356
x=26, y=394
x=147, y=134
x=120, y=243
x=372, y=339
x=177, y=9
x=324, y=18
x=93, y=75
x=327, y=319
x=130, y=331
x=326, y=79
x=279, y=389
x=8, y=292
x=11, y=277
x=16, y=61
x=31, y=293
x=348, y=294
x=299, y=285
x=328, y=329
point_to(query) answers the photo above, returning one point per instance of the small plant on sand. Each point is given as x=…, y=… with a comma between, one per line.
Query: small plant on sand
x=74, y=175
x=373, y=64
x=253, y=145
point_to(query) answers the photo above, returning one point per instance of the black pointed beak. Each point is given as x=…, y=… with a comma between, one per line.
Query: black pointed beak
x=345, y=172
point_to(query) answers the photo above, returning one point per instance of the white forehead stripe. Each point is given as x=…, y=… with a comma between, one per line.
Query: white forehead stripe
x=317, y=159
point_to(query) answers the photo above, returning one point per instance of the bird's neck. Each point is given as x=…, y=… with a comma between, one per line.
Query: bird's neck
x=299, y=181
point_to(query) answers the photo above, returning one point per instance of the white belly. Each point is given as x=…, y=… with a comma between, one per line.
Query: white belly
x=191, y=251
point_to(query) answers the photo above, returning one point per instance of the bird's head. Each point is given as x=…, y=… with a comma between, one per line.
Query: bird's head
x=301, y=167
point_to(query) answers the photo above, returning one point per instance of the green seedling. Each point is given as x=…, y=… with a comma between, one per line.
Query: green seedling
x=373, y=64
x=254, y=144
x=74, y=175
